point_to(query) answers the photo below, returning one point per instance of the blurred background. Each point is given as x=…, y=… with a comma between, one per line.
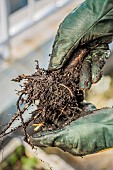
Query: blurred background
x=28, y=28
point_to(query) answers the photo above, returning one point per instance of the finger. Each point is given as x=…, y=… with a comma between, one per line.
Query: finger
x=85, y=74
x=45, y=139
x=99, y=59
x=64, y=139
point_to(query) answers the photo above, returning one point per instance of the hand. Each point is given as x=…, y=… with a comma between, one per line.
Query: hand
x=91, y=21
x=84, y=136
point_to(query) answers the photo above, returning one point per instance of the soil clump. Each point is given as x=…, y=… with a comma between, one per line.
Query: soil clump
x=56, y=95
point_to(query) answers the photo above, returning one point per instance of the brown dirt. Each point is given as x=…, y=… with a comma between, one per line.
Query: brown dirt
x=55, y=93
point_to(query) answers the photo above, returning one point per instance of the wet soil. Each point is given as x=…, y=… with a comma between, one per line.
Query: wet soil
x=56, y=95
